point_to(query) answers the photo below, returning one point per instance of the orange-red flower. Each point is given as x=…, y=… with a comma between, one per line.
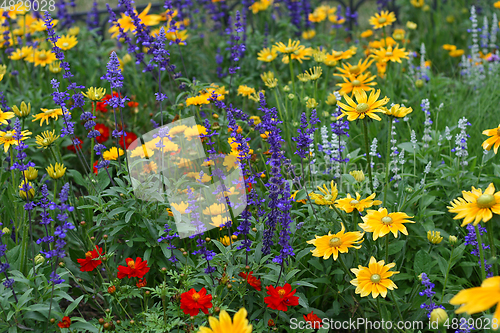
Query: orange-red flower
x=193, y=301
x=314, y=320
x=91, y=260
x=133, y=104
x=104, y=130
x=137, y=268
x=129, y=138
x=252, y=280
x=281, y=298
x=65, y=322
x=141, y=283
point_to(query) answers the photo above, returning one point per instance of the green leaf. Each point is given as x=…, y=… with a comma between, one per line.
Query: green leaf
x=73, y=305
x=423, y=262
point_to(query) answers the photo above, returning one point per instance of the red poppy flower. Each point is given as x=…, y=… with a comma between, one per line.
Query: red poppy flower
x=313, y=319
x=280, y=298
x=73, y=148
x=252, y=280
x=90, y=262
x=137, y=268
x=104, y=130
x=192, y=302
x=141, y=283
x=129, y=138
x=65, y=322
x=133, y=104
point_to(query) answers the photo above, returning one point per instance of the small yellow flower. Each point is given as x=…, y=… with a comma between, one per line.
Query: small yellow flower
x=476, y=206
x=46, y=114
x=411, y=25
x=22, y=192
x=55, y=67
x=46, y=139
x=383, y=19
x=311, y=103
x=215, y=209
x=256, y=120
x=303, y=77
x=31, y=173
x=398, y=34
x=255, y=96
x=331, y=99
x=267, y=55
x=452, y=240
x=450, y=19
x=245, y=91
x=417, y=3
x=95, y=94
x=497, y=4
x=358, y=175
x=314, y=73
x=328, y=195
x=308, y=34
x=21, y=53
x=73, y=31
x=374, y=279
x=493, y=141
x=57, y=171
x=398, y=111
x=479, y=299
x=224, y=324
x=7, y=138
x=364, y=106
x=380, y=223
x=367, y=33
x=66, y=42
x=333, y=244
x=4, y=116
x=349, y=203
x=457, y=53
x=287, y=49
x=112, y=154
x=434, y=237
x=267, y=76
x=438, y=316
x=41, y=58
x=181, y=207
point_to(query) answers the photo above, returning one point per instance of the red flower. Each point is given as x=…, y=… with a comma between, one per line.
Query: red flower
x=252, y=280
x=90, y=262
x=138, y=268
x=129, y=138
x=73, y=148
x=192, y=302
x=141, y=283
x=65, y=322
x=104, y=130
x=103, y=104
x=133, y=104
x=313, y=319
x=280, y=298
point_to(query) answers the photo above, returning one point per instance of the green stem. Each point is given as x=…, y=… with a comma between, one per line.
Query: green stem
x=447, y=274
x=481, y=254
x=367, y=150
x=489, y=226
x=386, y=249
x=345, y=267
x=396, y=304
x=387, y=161
x=338, y=213
x=291, y=71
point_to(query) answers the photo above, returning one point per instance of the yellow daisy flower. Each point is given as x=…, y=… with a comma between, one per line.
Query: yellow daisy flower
x=245, y=90
x=380, y=223
x=328, y=195
x=66, y=42
x=348, y=204
x=364, y=105
x=390, y=54
x=476, y=206
x=180, y=207
x=383, y=19
x=239, y=324
x=479, y=299
x=302, y=53
x=21, y=53
x=353, y=84
x=7, y=138
x=267, y=55
x=287, y=49
x=398, y=111
x=56, y=171
x=449, y=47
x=31, y=191
x=95, y=94
x=31, y=173
x=456, y=53
x=347, y=69
x=374, y=279
x=41, y=58
x=143, y=152
x=194, y=131
x=112, y=154
x=333, y=244
x=46, y=139
x=4, y=116
x=46, y=114
x=215, y=209
x=434, y=237
x=492, y=142
x=367, y=33
x=358, y=175
x=309, y=34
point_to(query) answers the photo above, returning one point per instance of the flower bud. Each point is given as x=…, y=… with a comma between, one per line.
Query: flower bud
x=452, y=240
x=24, y=111
x=291, y=97
x=270, y=323
x=434, y=237
x=419, y=83
x=254, y=229
x=111, y=289
x=62, y=264
x=31, y=173
x=359, y=176
x=438, y=315
x=409, y=189
x=39, y=259
x=286, y=88
x=101, y=321
x=6, y=231
x=105, y=236
x=52, y=320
